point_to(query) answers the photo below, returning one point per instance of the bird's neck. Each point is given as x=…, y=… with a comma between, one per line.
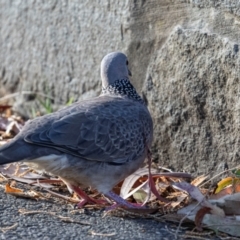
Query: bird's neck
x=123, y=88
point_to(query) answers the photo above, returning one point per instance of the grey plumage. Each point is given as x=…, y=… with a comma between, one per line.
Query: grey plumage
x=96, y=142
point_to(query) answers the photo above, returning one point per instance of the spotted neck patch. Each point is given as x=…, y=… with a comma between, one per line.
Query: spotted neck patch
x=123, y=88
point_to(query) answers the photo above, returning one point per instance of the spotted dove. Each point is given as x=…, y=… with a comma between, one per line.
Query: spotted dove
x=96, y=142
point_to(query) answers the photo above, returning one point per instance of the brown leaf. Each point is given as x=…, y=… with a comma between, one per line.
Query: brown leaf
x=19, y=170
x=131, y=180
x=226, y=191
x=19, y=193
x=12, y=190
x=199, y=217
x=180, y=199
x=198, y=180
x=32, y=182
x=4, y=108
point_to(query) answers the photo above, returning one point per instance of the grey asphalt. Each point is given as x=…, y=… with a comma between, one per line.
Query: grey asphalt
x=86, y=223
x=47, y=226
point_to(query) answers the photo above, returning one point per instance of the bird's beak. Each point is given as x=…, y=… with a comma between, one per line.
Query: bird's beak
x=129, y=73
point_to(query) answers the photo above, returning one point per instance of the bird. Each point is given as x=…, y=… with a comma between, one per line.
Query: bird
x=96, y=142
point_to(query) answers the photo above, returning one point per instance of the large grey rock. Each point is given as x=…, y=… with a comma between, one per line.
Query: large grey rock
x=193, y=94
x=183, y=55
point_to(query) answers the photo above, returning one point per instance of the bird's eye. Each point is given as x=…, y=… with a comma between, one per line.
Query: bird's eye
x=127, y=62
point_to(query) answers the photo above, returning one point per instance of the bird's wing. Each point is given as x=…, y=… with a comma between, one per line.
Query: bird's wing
x=108, y=131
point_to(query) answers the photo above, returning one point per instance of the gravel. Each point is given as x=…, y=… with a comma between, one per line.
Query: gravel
x=49, y=226
x=86, y=223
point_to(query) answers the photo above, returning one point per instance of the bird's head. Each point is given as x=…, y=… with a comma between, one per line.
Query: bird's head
x=114, y=66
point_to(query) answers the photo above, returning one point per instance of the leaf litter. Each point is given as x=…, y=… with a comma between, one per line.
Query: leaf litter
x=197, y=202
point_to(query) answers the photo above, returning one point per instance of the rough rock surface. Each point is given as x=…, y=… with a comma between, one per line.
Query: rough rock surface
x=55, y=47
x=184, y=55
x=196, y=103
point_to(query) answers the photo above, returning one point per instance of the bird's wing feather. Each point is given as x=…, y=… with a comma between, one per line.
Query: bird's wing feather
x=109, y=131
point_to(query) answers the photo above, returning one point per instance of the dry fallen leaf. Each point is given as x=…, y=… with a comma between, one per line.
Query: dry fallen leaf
x=20, y=193
x=212, y=213
x=4, y=107
x=200, y=215
x=141, y=175
x=226, y=182
x=198, y=180
x=12, y=190
x=181, y=198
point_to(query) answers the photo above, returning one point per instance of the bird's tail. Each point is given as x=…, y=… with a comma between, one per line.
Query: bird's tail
x=14, y=151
